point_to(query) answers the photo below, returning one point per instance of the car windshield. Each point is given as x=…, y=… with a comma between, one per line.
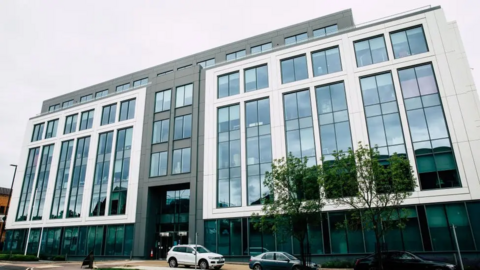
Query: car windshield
x=290, y=257
x=201, y=249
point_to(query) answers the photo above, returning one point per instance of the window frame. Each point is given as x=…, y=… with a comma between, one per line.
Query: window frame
x=205, y=62
x=35, y=138
x=129, y=104
x=141, y=84
x=122, y=86
x=109, y=112
x=261, y=45
x=54, y=107
x=57, y=120
x=150, y=167
x=228, y=75
x=163, y=99
x=181, y=161
x=235, y=53
x=75, y=115
x=325, y=29
x=292, y=58
x=408, y=43
x=176, y=93
x=161, y=127
x=102, y=93
x=183, y=126
x=86, y=99
x=370, y=51
x=325, y=50
x=67, y=102
x=296, y=37
x=256, y=78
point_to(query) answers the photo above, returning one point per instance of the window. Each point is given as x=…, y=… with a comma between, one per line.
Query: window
x=100, y=94
x=37, y=134
x=108, y=114
x=40, y=191
x=61, y=182
x=27, y=185
x=408, y=42
x=100, y=180
x=183, y=127
x=67, y=104
x=332, y=29
x=228, y=157
x=381, y=112
x=333, y=119
x=86, y=120
x=70, y=124
x=184, y=95
x=54, y=108
x=86, y=98
x=127, y=110
x=184, y=67
x=116, y=241
x=326, y=61
x=299, y=126
x=236, y=55
x=258, y=149
x=140, y=82
x=370, y=51
x=165, y=73
x=160, y=131
x=228, y=85
x=163, y=100
x=181, y=161
x=433, y=150
x=51, y=129
x=344, y=240
x=261, y=48
x=158, y=164
x=230, y=238
x=78, y=178
x=121, y=172
x=296, y=39
x=207, y=63
x=2, y=210
x=123, y=87
x=256, y=78
x=294, y=69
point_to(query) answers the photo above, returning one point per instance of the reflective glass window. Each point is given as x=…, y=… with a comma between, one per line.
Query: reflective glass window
x=181, y=161
x=184, y=95
x=326, y=61
x=121, y=172
x=256, y=78
x=123, y=87
x=86, y=120
x=108, y=114
x=294, y=69
x=409, y=42
x=70, y=124
x=228, y=85
x=296, y=39
x=100, y=180
x=78, y=178
x=37, y=133
x=160, y=131
x=158, y=164
x=127, y=110
x=370, y=51
x=163, y=100
x=183, y=127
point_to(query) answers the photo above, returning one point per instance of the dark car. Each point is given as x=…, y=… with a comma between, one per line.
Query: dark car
x=399, y=260
x=277, y=261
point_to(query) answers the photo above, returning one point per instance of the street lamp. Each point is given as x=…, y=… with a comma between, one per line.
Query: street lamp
x=8, y=203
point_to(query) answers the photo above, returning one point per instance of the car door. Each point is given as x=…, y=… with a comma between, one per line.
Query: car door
x=189, y=256
x=282, y=262
x=179, y=254
x=268, y=261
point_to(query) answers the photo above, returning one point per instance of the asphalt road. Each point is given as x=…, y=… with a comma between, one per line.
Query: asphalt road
x=12, y=267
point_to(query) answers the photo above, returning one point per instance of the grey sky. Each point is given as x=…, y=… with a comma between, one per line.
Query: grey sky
x=48, y=48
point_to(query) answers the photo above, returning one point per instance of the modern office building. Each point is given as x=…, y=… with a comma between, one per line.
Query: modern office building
x=155, y=158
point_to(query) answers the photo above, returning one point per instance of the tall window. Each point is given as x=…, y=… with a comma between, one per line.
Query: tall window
x=140, y=82
x=51, y=129
x=408, y=42
x=70, y=124
x=127, y=110
x=236, y=55
x=37, y=134
x=181, y=161
x=183, y=127
x=61, y=181
x=100, y=180
x=259, y=149
x=207, y=63
x=333, y=119
x=228, y=85
x=86, y=98
x=54, y=108
x=67, y=104
x=296, y=39
x=256, y=78
x=108, y=114
x=381, y=110
x=86, y=120
x=184, y=95
x=121, y=172
x=163, y=100
x=158, y=164
x=299, y=126
x=42, y=182
x=261, y=48
x=332, y=29
x=160, y=131
x=370, y=51
x=228, y=157
x=326, y=61
x=294, y=69
x=78, y=178
x=27, y=185
x=123, y=87
x=436, y=164
x=100, y=94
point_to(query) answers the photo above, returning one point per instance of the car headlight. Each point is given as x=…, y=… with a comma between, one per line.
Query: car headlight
x=451, y=266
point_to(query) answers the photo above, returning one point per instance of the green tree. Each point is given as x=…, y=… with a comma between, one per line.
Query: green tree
x=295, y=202
x=373, y=187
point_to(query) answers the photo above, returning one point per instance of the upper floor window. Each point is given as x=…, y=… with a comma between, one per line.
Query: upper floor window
x=108, y=114
x=256, y=78
x=184, y=95
x=37, y=134
x=140, y=82
x=183, y=127
x=127, y=110
x=165, y=72
x=294, y=69
x=236, y=55
x=86, y=98
x=54, y=107
x=228, y=85
x=325, y=31
x=51, y=129
x=163, y=100
x=261, y=48
x=207, y=63
x=86, y=120
x=181, y=161
x=370, y=51
x=67, y=104
x=160, y=131
x=101, y=93
x=184, y=67
x=70, y=124
x=123, y=87
x=408, y=42
x=296, y=39
x=326, y=61
x=158, y=165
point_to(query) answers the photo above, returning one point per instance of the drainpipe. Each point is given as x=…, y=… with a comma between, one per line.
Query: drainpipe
x=197, y=155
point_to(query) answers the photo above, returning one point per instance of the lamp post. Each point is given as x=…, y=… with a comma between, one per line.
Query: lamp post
x=8, y=203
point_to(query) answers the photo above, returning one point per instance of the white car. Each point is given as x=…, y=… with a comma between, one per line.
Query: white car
x=185, y=255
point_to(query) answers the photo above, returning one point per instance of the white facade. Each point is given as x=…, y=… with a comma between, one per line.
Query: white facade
x=456, y=88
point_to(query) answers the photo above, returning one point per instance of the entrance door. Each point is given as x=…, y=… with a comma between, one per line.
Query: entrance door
x=166, y=243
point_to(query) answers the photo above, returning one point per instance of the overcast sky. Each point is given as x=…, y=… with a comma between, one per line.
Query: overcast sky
x=49, y=48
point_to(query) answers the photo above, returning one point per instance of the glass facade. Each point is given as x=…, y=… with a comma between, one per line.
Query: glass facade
x=37, y=134
x=160, y=131
x=61, y=181
x=184, y=95
x=70, y=124
x=228, y=85
x=33, y=241
x=296, y=39
x=158, y=165
x=78, y=178
x=332, y=29
x=181, y=161
x=299, y=125
x=27, y=185
x=326, y=61
x=434, y=155
x=183, y=127
x=229, y=192
x=123, y=87
x=41, y=183
x=409, y=42
x=294, y=69
x=259, y=149
x=127, y=110
x=51, y=129
x=371, y=51
x=261, y=48
x=236, y=55
x=121, y=172
x=86, y=120
x=15, y=241
x=163, y=100
x=140, y=82
x=256, y=78
x=100, y=181
x=108, y=114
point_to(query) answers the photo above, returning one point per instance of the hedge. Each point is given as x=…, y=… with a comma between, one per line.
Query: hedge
x=18, y=257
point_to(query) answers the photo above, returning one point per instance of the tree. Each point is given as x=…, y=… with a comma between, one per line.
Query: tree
x=295, y=202
x=372, y=186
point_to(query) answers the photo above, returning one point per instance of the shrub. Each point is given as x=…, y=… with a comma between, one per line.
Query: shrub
x=4, y=256
x=338, y=264
x=58, y=258
x=18, y=257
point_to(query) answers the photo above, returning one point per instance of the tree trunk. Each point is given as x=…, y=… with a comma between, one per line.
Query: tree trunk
x=302, y=252
x=378, y=247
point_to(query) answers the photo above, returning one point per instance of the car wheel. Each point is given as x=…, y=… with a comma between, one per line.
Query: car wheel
x=172, y=263
x=257, y=267
x=203, y=264
x=296, y=267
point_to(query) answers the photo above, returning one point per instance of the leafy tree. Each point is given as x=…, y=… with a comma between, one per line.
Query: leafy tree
x=372, y=186
x=295, y=203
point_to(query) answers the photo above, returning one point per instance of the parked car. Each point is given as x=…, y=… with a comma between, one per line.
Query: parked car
x=399, y=260
x=277, y=261
x=185, y=255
